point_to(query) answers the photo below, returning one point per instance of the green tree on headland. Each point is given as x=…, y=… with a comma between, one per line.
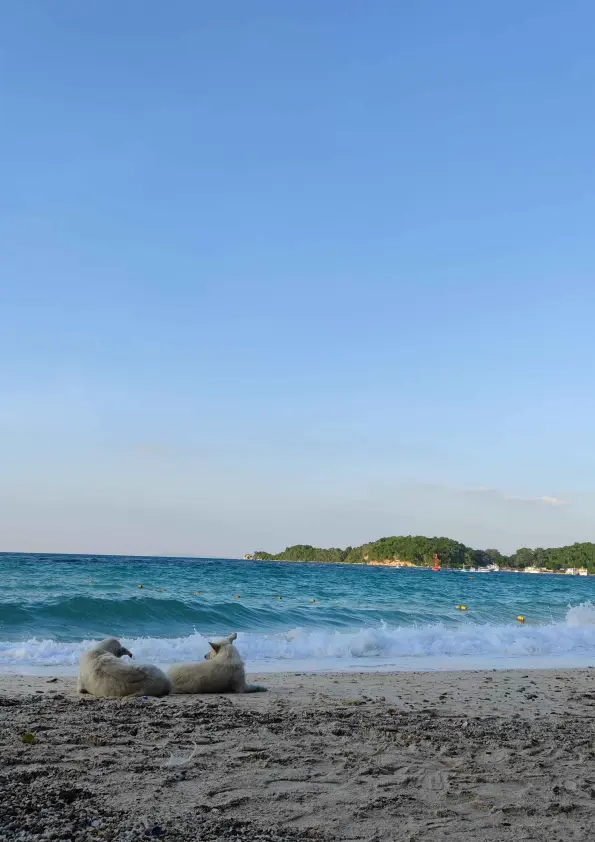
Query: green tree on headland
x=412, y=548
x=419, y=550
x=304, y=552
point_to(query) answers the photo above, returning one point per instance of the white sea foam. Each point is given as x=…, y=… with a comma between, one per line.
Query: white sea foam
x=574, y=639
x=582, y=615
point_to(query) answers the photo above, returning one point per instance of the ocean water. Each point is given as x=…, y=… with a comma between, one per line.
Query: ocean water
x=293, y=617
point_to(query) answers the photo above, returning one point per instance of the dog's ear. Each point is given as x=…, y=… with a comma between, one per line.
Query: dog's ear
x=215, y=646
x=232, y=637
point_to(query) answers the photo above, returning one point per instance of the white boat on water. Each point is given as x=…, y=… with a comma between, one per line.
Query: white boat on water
x=490, y=568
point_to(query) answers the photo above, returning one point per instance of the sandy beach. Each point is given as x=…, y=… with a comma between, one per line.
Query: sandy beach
x=411, y=756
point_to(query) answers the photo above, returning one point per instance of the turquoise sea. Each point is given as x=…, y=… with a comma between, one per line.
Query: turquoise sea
x=290, y=616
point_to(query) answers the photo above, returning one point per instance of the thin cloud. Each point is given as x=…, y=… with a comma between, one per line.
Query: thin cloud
x=547, y=500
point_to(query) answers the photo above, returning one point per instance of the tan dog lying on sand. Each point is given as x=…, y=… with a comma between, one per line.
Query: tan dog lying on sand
x=102, y=673
x=222, y=671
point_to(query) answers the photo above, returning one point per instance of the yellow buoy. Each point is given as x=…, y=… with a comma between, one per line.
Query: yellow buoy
x=196, y=593
x=278, y=597
x=461, y=607
x=312, y=600
x=237, y=596
x=90, y=581
x=520, y=618
x=140, y=586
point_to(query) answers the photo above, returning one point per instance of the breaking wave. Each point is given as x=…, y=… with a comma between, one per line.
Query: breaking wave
x=573, y=638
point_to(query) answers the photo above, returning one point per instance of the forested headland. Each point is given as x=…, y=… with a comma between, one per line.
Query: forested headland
x=419, y=551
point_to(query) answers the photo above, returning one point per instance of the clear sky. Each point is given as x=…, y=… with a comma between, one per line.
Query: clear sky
x=306, y=271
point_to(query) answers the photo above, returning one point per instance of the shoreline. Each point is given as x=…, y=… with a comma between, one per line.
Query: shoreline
x=483, y=755
x=401, y=565
x=409, y=665
x=407, y=690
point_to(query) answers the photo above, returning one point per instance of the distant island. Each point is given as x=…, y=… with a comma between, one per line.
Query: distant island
x=418, y=551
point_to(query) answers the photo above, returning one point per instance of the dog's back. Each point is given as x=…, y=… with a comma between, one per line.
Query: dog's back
x=102, y=673
x=222, y=671
x=206, y=677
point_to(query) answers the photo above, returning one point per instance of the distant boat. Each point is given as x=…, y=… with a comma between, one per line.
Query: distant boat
x=436, y=566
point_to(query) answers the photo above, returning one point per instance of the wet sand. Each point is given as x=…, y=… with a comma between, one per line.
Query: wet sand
x=477, y=756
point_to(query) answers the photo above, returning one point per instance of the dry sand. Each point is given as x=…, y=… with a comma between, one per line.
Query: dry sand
x=412, y=756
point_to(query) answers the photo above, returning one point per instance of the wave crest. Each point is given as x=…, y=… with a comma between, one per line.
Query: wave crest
x=574, y=637
x=581, y=616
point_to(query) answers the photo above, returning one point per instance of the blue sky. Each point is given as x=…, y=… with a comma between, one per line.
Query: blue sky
x=310, y=271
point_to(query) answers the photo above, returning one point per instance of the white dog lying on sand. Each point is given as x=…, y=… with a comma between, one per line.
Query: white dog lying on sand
x=222, y=671
x=102, y=673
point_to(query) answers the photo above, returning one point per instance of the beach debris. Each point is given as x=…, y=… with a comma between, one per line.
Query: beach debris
x=28, y=739
x=177, y=760
x=196, y=593
x=72, y=794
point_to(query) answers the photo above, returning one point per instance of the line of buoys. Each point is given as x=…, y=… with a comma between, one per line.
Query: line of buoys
x=520, y=618
x=163, y=590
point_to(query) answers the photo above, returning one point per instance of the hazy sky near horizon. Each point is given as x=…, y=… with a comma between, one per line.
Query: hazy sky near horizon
x=278, y=272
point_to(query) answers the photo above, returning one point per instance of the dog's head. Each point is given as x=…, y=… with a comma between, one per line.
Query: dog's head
x=114, y=647
x=219, y=645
